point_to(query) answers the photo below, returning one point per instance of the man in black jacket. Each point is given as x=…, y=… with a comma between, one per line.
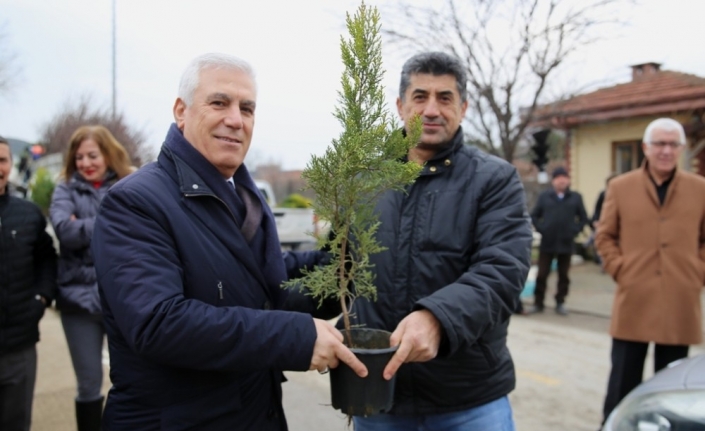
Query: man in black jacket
x=27, y=286
x=458, y=248
x=559, y=215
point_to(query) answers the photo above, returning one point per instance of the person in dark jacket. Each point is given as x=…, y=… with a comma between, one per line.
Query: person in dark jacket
x=559, y=216
x=458, y=251
x=27, y=287
x=95, y=160
x=189, y=268
x=595, y=220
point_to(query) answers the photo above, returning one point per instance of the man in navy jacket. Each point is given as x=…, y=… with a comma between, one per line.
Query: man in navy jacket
x=189, y=267
x=559, y=215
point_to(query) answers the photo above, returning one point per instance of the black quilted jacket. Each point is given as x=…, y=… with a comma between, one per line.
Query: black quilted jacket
x=458, y=244
x=27, y=269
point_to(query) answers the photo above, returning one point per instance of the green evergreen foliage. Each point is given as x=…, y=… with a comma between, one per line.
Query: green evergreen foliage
x=42, y=189
x=357, y=168
x=296, y=200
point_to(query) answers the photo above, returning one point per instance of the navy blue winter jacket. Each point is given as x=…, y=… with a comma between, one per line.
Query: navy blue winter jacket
x=559, y=220
x=196, y=337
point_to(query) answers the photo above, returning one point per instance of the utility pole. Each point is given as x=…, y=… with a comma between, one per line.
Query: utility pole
x=114, y=111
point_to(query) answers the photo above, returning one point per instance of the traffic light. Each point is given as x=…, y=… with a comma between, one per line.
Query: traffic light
x=36, y=151
x=540, y=148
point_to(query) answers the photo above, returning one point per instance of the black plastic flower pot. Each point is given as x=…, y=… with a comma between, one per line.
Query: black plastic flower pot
x=356, y=396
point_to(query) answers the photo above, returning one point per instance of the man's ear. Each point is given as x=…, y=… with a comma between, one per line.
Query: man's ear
x=399, y=107
x=179, y=113
x=463, y=109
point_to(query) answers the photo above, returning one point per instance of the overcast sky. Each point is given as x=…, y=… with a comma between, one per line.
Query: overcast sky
x=63, y=49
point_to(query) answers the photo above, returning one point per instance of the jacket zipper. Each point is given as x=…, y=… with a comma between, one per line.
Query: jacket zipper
x=220, y=283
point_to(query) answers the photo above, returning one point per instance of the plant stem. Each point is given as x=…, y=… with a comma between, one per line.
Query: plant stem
x=343, y=285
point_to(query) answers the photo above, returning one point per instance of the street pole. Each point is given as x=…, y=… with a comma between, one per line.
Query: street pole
x=114, y=65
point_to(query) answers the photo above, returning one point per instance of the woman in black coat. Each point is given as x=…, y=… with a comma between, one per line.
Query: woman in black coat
x=94, y=162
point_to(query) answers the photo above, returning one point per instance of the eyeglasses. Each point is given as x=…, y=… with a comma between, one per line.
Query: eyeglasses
x=663, y=144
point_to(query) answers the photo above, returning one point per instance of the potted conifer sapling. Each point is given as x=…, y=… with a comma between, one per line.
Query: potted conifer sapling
x=365, y=161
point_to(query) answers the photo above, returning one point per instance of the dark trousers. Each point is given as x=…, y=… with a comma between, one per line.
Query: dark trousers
x=84, y=335
x=545, y=260
x=628, y=367
x=18, y=372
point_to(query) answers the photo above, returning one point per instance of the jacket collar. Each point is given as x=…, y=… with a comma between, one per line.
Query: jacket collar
x=5, y=197
x=651, y=185
x=566, y=193
x=196, y=176
x=79, y=183
x=444, y=159
x=645, y=169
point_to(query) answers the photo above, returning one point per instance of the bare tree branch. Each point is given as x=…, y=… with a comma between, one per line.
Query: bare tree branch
x=56, y=133
x=511, y=49
x=9, y=67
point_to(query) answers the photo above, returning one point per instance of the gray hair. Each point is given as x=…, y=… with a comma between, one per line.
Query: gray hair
x=190, y=77
x=667, y=125
x=434, y=63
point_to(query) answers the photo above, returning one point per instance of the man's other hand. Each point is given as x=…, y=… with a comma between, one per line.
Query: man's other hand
x=329, y=350
x=418, y=336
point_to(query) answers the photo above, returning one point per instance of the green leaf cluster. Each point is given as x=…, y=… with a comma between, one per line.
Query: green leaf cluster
x=296, y=200
x=42, y=190
x=364, y=162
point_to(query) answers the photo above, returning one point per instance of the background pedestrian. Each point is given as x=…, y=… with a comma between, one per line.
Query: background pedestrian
x=27, y=287
x=652, y=241
x=95, y=161
x=559, y=216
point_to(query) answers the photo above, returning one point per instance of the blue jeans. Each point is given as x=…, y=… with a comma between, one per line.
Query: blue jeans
x=493, y=416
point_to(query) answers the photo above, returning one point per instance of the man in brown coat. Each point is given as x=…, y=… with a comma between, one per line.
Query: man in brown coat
x=652, y=240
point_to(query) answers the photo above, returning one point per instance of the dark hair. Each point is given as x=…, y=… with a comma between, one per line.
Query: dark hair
x=4, y=141
x=434, y=63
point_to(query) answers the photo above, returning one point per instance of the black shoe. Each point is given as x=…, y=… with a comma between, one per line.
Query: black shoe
x=89, y=415
x=536, y=309
x=560, y=309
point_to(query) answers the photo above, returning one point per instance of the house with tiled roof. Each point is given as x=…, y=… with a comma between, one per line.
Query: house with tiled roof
x=604, y=128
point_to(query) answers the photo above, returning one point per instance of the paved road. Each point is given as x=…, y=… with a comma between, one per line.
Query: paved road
x=561, y=362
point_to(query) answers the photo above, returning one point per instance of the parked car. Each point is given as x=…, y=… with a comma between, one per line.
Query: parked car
x=294, y=225
x=672, y=400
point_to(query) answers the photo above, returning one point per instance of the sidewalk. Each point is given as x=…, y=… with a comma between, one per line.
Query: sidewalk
x=591, y=291
x=55, y=389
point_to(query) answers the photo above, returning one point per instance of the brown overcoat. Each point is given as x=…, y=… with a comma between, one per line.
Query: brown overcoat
x=656, y=254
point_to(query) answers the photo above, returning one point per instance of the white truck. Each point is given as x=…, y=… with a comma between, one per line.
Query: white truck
x=294, y=225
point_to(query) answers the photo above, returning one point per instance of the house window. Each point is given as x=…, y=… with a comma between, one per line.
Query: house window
x=626, y=156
